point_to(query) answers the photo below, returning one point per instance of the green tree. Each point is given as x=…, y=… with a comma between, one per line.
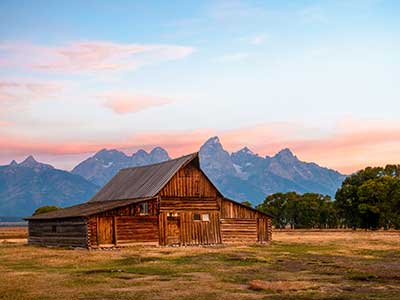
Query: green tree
x=247, y=203
x=309, y=210
x=370, y=198
x=45, y=209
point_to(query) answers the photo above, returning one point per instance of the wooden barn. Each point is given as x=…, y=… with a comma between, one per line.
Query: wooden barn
x=169, y=203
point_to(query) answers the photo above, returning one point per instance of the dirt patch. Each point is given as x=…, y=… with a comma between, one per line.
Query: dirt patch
x=280, y=285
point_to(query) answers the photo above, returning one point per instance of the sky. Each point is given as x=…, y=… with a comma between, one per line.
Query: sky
x=319, y=77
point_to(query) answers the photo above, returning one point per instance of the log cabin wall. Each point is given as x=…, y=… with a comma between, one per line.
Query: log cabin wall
x=53, y=232
x=126, y=225
x=189, y=209
x=240, y=224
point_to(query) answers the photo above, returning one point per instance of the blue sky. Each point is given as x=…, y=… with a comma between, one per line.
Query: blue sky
x=320, y=77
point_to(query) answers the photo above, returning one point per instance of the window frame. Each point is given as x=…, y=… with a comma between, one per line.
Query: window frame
x=196, y=217
x=144, y=209
x=205, y=217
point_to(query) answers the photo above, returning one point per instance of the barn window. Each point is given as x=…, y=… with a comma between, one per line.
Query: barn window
x=144, y=208
x=196, y=217
x=205, y=217
x=54, y=228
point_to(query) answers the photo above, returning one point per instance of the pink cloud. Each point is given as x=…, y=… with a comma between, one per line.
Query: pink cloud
x=126, y=103
x=5, y=123
x=95, y=56
x=31, y=88
x=17, y=94
x=344, y=149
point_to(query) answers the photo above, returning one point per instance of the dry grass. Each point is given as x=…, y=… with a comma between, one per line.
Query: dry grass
x=297, y=265
x=13, y=233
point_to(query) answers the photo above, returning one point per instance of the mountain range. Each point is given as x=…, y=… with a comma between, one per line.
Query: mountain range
x=241, y=175
x=30, y=184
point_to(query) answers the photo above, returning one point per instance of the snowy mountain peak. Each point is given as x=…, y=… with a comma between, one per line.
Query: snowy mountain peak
x=213, y=141
x=246, y=150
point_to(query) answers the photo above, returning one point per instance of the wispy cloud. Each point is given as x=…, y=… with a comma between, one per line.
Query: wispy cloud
x=123, y=103
x=95, y=56
x=13, y=92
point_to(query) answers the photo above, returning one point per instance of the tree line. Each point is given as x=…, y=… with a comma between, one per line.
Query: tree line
x=368, y=199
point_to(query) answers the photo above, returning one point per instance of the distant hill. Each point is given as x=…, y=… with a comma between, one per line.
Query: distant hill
x=242, y=175
x=30, y=184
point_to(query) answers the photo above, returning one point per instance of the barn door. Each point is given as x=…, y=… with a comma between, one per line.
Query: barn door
x=173, y=230
x=105, y=231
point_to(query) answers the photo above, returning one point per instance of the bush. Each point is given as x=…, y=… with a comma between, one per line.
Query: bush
x=45, y=209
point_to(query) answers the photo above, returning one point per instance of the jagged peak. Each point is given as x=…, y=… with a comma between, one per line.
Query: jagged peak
x=213, y=140
x=105, y=154
x=29, y=159
x=285, y=153
x=31, y=162
x=246, y=150
x=13, y=163
x=212, y=143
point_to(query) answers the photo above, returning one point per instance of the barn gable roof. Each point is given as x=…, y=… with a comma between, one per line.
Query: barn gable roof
x=144, y=181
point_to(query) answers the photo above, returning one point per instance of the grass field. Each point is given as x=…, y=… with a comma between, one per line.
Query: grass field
x=297, y=265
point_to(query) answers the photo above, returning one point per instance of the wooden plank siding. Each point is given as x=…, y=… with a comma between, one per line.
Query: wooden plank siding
x=189, y=192
x=239, y=230
x=125, y=224
x=188, y=203
x=63, y=232
x=139, y=229
x=198, y=232
x=189, y=182
x=240, y=224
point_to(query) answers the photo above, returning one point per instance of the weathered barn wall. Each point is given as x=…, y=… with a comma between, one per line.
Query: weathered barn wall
x=239, y=230
x=182, y=228
x=187, y=194
x=264, y=229
x=139, y=229
x=126, y=226
x=189, y=182
x=240, y=224
x=188, y=203
x=63, y=232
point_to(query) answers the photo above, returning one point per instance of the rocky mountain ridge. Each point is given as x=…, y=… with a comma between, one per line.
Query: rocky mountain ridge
x=241, y=175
